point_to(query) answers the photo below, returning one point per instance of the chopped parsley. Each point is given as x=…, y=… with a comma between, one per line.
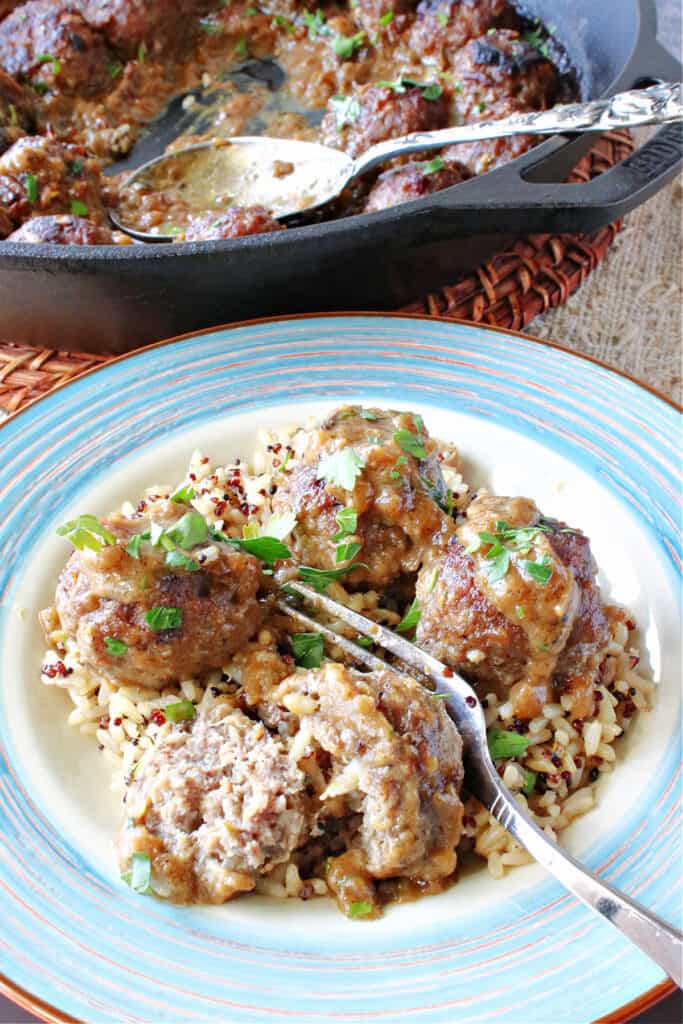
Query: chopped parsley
x=187, y=532
x=86, y=531
x=47, y=58
x=503, y=744
x=508, y=538
x=179, y=560
x=114, y=646
x=242, y=48
x=387, y=18
x=78, y=208
x=320, y=579
x=442, y=19
x=13, y=116
x=431, y=581
x=341, y=468
x=142, y=53
x=431, y=166
x=535, y=38
x=410, y=619
x=364, y=641
x=183, y=495
x=280, y=22
x=519, y=612
x=280, y=525
x=347, y=521
x=182, y=711
x=307, y=649
x=133, y=546
x=369, y=415
x=31, y=186
x=345, y=46
x=164, y=617
x=430, y=90
x=529, y=783
x=410, y=443
x=251, y=11
x=540, y=571
x=211, y=28
x=360, y=908
x=315, y=24
x=346, y=111
x=139, y=876
x=267, y=549
x=345, y=552
x=115, y=67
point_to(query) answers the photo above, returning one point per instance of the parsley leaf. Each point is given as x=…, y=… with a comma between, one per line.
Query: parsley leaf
x=369, y=415
x=183, y=495
x=341, y=468
x=540, y=571
x=431, y=582
x=360, y=908
x=410, y=443
x=183, y=711
x=320, y=579
x=179, y=560
x=114, y=646
x=346, y=111
x=86, y=531
x=133, y=546
x=78, y=208
x=345, y=46
x=431, y=166
x=503, y=744
x=345, y=552
x=410, y=619
x=347, y=521
x=31, y=186
x=188, y=531
x=267, y=549
x=529, y=783
x=140, y=874
x=164, y=617
x=280, y=525
x=308, y=649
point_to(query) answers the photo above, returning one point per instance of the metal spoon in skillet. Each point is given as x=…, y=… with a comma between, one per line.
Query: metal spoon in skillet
x=658, y=939
x=291, y=178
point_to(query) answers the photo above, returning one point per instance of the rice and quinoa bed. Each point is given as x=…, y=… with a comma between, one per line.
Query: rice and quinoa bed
x=553, y=778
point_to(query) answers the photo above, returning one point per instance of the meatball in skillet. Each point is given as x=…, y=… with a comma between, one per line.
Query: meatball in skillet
x=442, y=27
x=411, y=181
x=50, y=45
x=382, y=468
x=40, y=177
x=177, y=601
x=513, y=603
x=17, y=110
x=62, y=230
x=156, y=23
x=375, y=113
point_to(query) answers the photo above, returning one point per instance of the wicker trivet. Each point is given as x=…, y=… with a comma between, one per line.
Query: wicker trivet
x=509, y=290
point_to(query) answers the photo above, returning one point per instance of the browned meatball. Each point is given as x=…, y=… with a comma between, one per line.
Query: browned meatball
x=384, y=466
x=380, y=113
x=17, y=111
x=444, y=26
x=62, y=230
x=209, y=596
x=51, y=46
x=231, y=223
x=412, y=181
x=215, y=804
x=43, y=177
x=513, y=617
x=129, y=23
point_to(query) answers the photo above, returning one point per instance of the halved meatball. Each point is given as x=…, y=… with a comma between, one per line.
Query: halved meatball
x=444, y=26
x=388, y=752
x=50, y=45
x=216, y=803
x=45, y=177
x=62, y=230
x=231, y=223
x=380, y=113
x=177, y=613
x=17, y=111
x=383, y=466
x=513, y=603
x=411, y=181
x=129, y=23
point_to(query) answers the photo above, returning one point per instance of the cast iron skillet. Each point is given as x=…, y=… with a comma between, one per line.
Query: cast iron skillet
x=112, y=299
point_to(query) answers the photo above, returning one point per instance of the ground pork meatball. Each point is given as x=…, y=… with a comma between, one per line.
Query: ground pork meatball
x=155, y=23
x=384, y=467
x=380, y=113
x=387, y=751
x=17, y=111
x=51, y=46
x=231, y=223
x=62, y=230
x=411, y=181
x=444, y=26
x=513, y=603
x=44, y=177
x=215, y=804
x=180, y=608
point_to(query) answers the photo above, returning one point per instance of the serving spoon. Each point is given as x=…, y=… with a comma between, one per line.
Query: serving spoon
x=655, y=937
x=291, y=178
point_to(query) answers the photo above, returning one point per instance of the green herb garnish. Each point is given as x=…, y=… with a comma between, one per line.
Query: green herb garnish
x=540, y=571
x=529, y=783
x=315, y=24
x=133, y=546
x=280, y=525
x=367, y=414
x=211, y=28
x=267, y=549
x=78, y=208
x=114, y=67
x=347, y=521
x=320, y=579
x=442, y=19
x=183, y=495
x=142, y=53
x=503, y=744
x=47, y=58
x=519, y=612
x=430, y=90
x=431, y=166
x=307, y=649
x=13, y=115
x=345, y=46
x=346, y=110
x=345, y=552
x=387, y=18
x=242, y=48
x=183, y=711
x=187, y=532
x=164, y=617
x=410, y=619
x=140, y=873
x=31, y=186
x=410, y=443
x=114, y=646
x=431, y=582
x=341, y=468
x=360, y=908
x=179, y=560
x=86, y=531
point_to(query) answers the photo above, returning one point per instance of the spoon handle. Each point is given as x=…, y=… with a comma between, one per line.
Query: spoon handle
x=654, y=936
x=659, y=104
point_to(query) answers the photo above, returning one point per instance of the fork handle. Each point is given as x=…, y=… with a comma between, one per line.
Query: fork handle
x=658, y=939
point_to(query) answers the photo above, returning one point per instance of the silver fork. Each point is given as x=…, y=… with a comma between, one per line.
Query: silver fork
x=655, y=937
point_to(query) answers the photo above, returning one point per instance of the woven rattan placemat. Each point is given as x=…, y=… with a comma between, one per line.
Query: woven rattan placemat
x=509, y=290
